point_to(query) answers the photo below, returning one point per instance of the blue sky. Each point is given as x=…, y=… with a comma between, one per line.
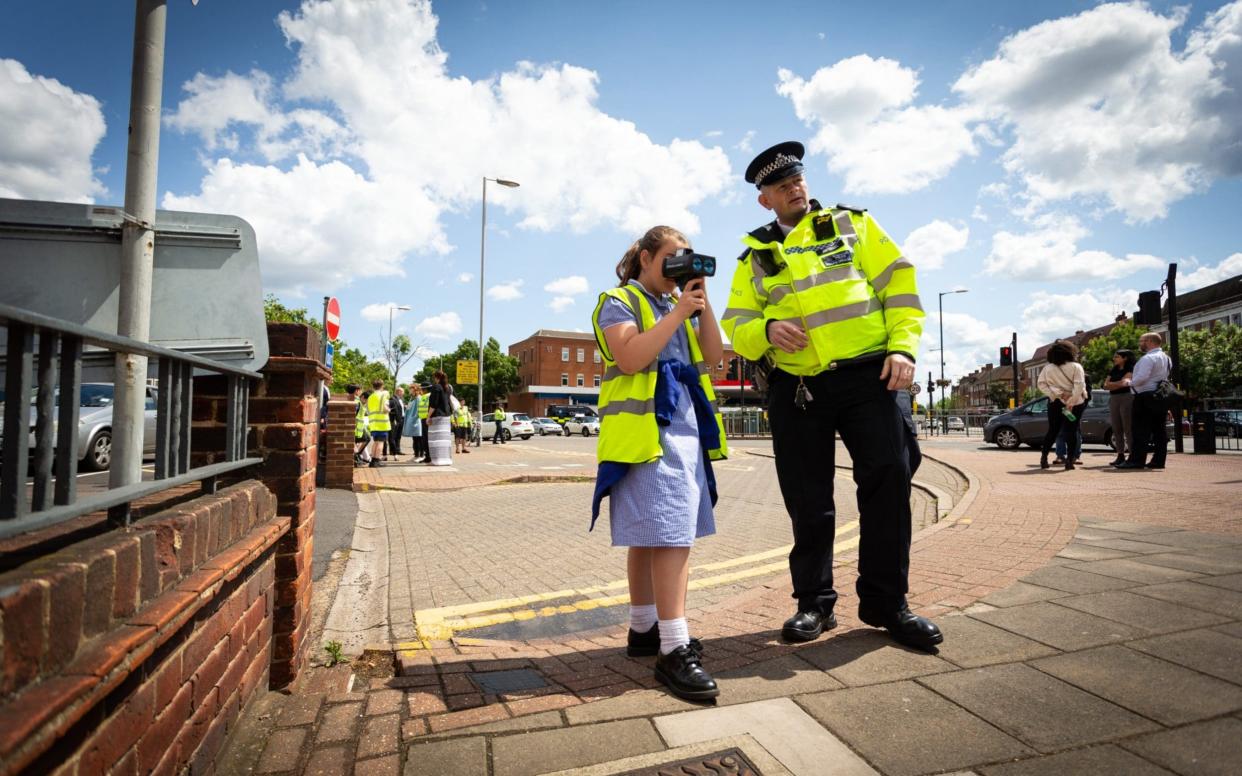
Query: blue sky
x=1051, y=157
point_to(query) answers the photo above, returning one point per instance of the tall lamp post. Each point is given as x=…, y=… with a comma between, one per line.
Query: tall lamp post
x=940, y=315
x=482, y=265
x=391, y=354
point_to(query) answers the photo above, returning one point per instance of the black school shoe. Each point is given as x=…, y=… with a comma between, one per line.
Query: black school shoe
x=807, y=625
x=906, y=627
x=648, y=644
x=681, y=671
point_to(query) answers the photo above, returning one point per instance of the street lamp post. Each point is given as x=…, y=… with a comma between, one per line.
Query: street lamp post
x=940, y=314
x=391, y=353
x=482, y=265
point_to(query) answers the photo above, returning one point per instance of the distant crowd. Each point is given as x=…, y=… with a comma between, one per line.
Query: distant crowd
x=434, y=419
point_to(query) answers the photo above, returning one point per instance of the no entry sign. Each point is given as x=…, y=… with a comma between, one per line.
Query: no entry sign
x=332, y=318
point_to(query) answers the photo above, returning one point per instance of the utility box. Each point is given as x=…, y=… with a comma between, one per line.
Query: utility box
x=1203, y=428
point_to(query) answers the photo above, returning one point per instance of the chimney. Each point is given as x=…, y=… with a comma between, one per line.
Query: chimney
x=989, y=366
x=1121, y=318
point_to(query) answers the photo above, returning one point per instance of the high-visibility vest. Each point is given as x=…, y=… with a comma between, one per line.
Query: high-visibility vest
x=360, y=420
x=840, y=276
x=377, y=411
x=422, y=407
x=628, y=430
x=461, y=418
x=499, y=416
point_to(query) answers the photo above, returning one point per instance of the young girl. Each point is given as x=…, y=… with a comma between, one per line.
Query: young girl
x=659, y=431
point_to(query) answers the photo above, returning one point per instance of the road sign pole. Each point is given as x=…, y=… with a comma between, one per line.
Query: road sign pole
x=1013, y=357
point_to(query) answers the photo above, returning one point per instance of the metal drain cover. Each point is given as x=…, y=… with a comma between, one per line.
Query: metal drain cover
x=496, y=682
x=727, y=762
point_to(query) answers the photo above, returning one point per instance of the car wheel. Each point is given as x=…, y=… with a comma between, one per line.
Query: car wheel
x=508, y=435
x=99, y=452
x=1006, y=438
x=527, y=436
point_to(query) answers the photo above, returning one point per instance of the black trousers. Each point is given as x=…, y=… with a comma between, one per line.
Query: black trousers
x=1057, y=421
x=394, y=436
x=1149, y=416
x=876, y=427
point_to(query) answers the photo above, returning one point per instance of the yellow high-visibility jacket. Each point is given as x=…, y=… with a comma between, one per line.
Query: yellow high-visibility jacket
x=377, y=411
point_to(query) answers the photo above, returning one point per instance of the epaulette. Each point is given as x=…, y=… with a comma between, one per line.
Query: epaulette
x=851, y=208
x=742, y=256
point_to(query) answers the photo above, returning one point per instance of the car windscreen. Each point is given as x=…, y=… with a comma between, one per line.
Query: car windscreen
x=95, y=395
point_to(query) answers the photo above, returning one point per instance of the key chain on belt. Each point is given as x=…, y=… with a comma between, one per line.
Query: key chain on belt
x=802, y=396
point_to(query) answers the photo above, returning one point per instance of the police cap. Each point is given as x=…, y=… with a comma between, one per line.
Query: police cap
x=776, y=164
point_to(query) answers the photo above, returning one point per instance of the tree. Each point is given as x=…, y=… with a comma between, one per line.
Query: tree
x=1030, y=394
x=500, y=376
x=350, y=365
x=1097, y=355
x=397, y=353
x=1210, y=363
x=999, y=393
x=273, y=310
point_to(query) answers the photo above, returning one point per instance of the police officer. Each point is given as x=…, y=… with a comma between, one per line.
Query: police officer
x=499, y=417
x=824, y=300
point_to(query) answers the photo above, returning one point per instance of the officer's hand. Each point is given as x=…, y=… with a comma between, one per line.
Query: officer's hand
x=899, y=371
x=693, y=299
x=788, y=336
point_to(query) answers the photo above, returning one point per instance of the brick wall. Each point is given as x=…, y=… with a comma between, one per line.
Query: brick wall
x=136, y=650
x=339, y=463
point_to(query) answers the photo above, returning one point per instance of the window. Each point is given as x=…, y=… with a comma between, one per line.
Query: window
x=596, y=381
x=564, y=354
x=581, y=382
x=581, y=355
x=564, y=378
x=595, y=353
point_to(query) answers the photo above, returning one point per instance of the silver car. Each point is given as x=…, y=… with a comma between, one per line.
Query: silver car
x=95, y=425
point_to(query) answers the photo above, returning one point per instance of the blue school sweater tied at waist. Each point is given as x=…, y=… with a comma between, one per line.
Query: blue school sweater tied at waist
x=671, y=372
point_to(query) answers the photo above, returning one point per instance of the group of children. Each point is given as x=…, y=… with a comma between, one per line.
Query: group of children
x=381, y=420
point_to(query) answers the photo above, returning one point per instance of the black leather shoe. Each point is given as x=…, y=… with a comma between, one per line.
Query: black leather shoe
x=1130, y=465
x=648, y=644
x=907, y=628
x=1154, y=466
x=807, y=626
x=681, y=671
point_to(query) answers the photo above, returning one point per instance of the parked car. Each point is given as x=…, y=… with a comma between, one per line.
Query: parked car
x=1027, y=424
x=1228, y=423
x=545, y=426
x=515, y=424
x=586, y=425
x=956, y=424
x=563, y=412
x=95, y=425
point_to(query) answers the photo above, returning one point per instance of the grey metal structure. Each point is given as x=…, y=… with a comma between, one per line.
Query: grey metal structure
x=61, y=260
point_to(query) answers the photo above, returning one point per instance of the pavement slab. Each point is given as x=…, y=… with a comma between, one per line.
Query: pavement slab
x=1081, y=551
x=1194, y=562
x=763, y=761
x=1209, y=651
x=639, y=703
x=1059, y=626
x=971, y=643
x=1071, y=580
x=1141, y=612
x=1095, y=761
x=869, y=657
x=1134, y=570
x=782, y=677
x=1039, y=710
x=1129, y=545
x=1228, y=581
x=1206, y=597
x=456, y=756
x=1021, y=593
x=1206, y=749
x=1157, y=689
x=901, y=728
x=554, y=750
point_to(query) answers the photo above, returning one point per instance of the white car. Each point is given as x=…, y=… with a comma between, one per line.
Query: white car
x=515, y=424
x=586, y=425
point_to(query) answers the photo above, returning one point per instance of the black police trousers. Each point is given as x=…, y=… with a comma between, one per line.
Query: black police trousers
x=1149, y=418
x=876, y=427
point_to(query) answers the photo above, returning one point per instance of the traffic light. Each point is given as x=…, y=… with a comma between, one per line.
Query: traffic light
x=1149, y=309
x=732, y=374
x=1006, y=356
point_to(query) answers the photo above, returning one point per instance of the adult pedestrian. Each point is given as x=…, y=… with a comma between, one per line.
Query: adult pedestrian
x=377, y=420
x=1149, y=408
x=461, y=427
x=658, y=435
x=361, y=437
x=823, y=298
x=439, y=428
x=413, y=424
x=499, y=416
x=1064, y=383
x=1121, y=404
x=396, y=417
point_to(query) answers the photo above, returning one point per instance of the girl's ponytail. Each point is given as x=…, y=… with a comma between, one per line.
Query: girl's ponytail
x=631, y=263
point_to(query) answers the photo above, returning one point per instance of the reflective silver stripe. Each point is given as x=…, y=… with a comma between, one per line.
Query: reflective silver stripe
x=846, y=227
x=830, y=275
x=741, y=314
x=632, y=406
x=881, y=281
x=702, y=367
x=614, y=371
x=758, y=277
x=638, y=307
x=777, y=293
x=904, y=300
x=843, y=313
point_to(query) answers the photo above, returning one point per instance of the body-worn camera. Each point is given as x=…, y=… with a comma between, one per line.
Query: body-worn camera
x=686, y=265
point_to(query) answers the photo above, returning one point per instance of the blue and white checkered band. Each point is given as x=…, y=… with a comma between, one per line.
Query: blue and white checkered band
x=780, y=162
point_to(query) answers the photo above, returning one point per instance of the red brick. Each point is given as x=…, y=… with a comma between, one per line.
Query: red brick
x=67, y=598
x=379, y=766
x=167, y=680
x=288, y=436
x=203, y=641
x=254, y=676
x=283, y=750
x=149, y=572
x=42, y=702
x=100, y=579
x=208, y=673
x=424, y=702
x=232, y=680
x=167, y=610
x=162, y=734
x=327, y=762
x=459, y=719
x=381, y=735
x=121, y=731
x=384, y=702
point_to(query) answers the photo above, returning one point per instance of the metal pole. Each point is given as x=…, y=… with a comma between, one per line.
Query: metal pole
x=931, y=402
x=1013, y=357
x=391, y=357
x=940, y=318
x=482, y=255
x=1176, y=356
x=138, y=238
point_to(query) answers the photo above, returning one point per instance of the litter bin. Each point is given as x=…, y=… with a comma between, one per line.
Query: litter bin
x=1204, y=430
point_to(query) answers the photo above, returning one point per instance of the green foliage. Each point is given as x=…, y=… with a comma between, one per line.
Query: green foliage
x=1030, y=394
x=999, y=393
x=1211, y=361
x=273, y=310
x=500, y=372
x=397, y=354
x=1097, y=355
x=350, y=365
x=333, y=648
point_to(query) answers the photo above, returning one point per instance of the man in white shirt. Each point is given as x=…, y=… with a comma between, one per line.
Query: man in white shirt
x=1149, y=410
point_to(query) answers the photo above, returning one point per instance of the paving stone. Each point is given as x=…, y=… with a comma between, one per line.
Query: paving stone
x=868, y=657
x=299, y=710
x=527, y=722
x=425, y=703
x=778, y=725
x=779, y=678
x=1207, y=597
x=1129, y=545
x=1194, y=540
x=1228, y=581
x=1146, y=614
x=1194, y=562
x=1205, y=650
x=1232, y=629
x=384, y=702
x=380, y=735
x=1121, y=526
x=1081, y=551
x=1043, y=712
x=379, y=766
x=553, y=750
x=1058, y=626
x=1135, y=571
x=457, y=755
x=326, y=762
x=902, y=728
x=641, y=703
x=971, y=643
x=1154, y=688
x=1074, y=581
x=339, y=722
x=283, y=750
x=1021, y=593
x=1207, y=748
x=1095, y=761
x=763, y=760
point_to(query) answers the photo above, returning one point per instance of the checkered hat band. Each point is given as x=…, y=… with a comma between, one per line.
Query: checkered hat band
x=781, y=161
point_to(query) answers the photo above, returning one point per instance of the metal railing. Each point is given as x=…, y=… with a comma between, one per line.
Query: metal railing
x=57, y=367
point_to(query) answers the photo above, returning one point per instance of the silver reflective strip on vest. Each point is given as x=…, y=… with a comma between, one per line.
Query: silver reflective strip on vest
x=779, y=292
x=846, y=228
x=904, y=300
x=632, y=406
x=881, y=281
x=742, y=315
x=830, y=275
x=843, y=313
x=702, y=367
x=638, y=306
x=758, y=276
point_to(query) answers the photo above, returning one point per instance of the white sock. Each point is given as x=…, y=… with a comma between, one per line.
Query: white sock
x=642, y=617
x=673, y=634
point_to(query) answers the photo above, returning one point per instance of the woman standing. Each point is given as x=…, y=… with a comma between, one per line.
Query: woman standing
x=439, y=429
x=1064, y=383
x=413, y=425
x=658, y=435
x=1121, y=404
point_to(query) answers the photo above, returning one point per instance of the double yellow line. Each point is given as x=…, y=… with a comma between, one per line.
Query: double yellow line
x=442, y=623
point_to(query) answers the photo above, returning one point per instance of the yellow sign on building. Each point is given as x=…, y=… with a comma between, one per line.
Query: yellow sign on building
x=467, y=372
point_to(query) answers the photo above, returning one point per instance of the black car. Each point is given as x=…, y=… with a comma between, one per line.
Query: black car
x=1027, y=424
x=1228, y=423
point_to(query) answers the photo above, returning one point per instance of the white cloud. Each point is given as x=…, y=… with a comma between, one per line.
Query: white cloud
x=744, y=145
x=1100, y=105
x=1050, y=252
x=1048, y=316
x=379, y=312
x=567, y=286
x=442, y=326
x=465, y=277
x=978, y=214
x=1206, y=276
x=561, y=303
x=928, y=245
x=970, y=343
x=507, y=291
x=713, y=133
x=865, y=123
x=48, y=132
